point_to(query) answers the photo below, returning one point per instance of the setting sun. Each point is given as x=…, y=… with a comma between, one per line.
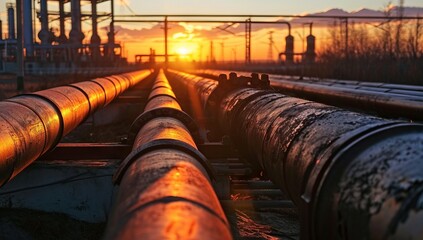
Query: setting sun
x=183, y=51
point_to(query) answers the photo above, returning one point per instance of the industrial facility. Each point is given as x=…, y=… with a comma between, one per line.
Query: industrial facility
x=186, y=145
x=60, y=50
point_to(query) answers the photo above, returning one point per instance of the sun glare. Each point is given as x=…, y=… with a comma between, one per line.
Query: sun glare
x=183, y=51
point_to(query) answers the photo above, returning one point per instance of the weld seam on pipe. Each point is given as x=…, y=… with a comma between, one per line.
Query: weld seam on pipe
x=58, y=112
x=88, y=99
x=163, y=144
x=145, y=117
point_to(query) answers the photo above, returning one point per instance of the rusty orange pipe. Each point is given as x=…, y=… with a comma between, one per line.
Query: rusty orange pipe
x=32, y=124
x=165, y=190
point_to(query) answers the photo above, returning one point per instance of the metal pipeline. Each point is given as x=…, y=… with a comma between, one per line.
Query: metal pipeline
x=351, y=175
x=410, y=90
x=165, y=190
x=397, y=102
x=32, y=124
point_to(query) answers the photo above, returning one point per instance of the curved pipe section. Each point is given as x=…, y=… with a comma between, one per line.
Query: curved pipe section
x=165, y=190
x=352, y=176
x=32, y=124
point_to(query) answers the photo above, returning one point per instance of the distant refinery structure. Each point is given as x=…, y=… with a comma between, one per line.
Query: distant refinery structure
x=64, y=49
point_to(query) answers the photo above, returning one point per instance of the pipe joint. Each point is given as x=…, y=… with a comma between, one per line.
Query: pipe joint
x=369, y=155
x=145, y=117
x=163, y=144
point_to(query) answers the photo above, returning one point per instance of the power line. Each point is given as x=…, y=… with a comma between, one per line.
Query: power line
x=270, y=49
x=123, y=2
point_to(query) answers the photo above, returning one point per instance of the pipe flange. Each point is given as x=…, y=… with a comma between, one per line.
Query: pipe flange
x=163, y=144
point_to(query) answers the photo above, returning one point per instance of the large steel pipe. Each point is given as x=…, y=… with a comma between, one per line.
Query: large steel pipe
x=410, y=90
x=390, y=100
x=165, y=190
x=352, y=176
x=32, y=124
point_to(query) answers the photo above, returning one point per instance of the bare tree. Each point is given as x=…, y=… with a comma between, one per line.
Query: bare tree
x=413, y=41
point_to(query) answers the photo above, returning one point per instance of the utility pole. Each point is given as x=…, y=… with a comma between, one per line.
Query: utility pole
x=346, y=38
x=401, y=9
x=165, y=32
x=222, y=51
x=346, y=47
x=200, y=54
x=270, y=47
x=212, y=59
x=248, y=41
x=20, y=57
x=400, y=15
x=111, y=34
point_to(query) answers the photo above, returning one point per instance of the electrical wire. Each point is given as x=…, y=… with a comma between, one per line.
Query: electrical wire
x=62, y=181
x=123, y=2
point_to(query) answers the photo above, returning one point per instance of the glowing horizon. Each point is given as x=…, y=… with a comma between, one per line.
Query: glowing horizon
x=196, y=39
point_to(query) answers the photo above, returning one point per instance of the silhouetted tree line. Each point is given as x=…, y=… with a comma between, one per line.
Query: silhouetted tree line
x=388, y=51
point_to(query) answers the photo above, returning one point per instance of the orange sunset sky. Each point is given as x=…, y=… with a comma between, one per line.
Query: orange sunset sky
x=192, y=41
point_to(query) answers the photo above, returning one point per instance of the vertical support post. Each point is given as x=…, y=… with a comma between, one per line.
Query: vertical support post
x=11, y=20
x=222, y=51
x=62, y=38
x=95, y=38
x=27, y=24
x=19, y=58
x=76, y=36
x=44, y=34
x=248, y=41
x=211, y=52
x=1, y=30
x=165, y=32
x=310, y=54
x=289, y=49
x=346, y=38
x=112, y=23
x=111, y=34
x=34, y=24
x=270, y=47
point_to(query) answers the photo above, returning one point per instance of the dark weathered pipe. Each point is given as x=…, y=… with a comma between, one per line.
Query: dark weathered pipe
x=32, y=124
x=393, y=103
x=165, y=190
x=377, y=86
x=352, y=176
